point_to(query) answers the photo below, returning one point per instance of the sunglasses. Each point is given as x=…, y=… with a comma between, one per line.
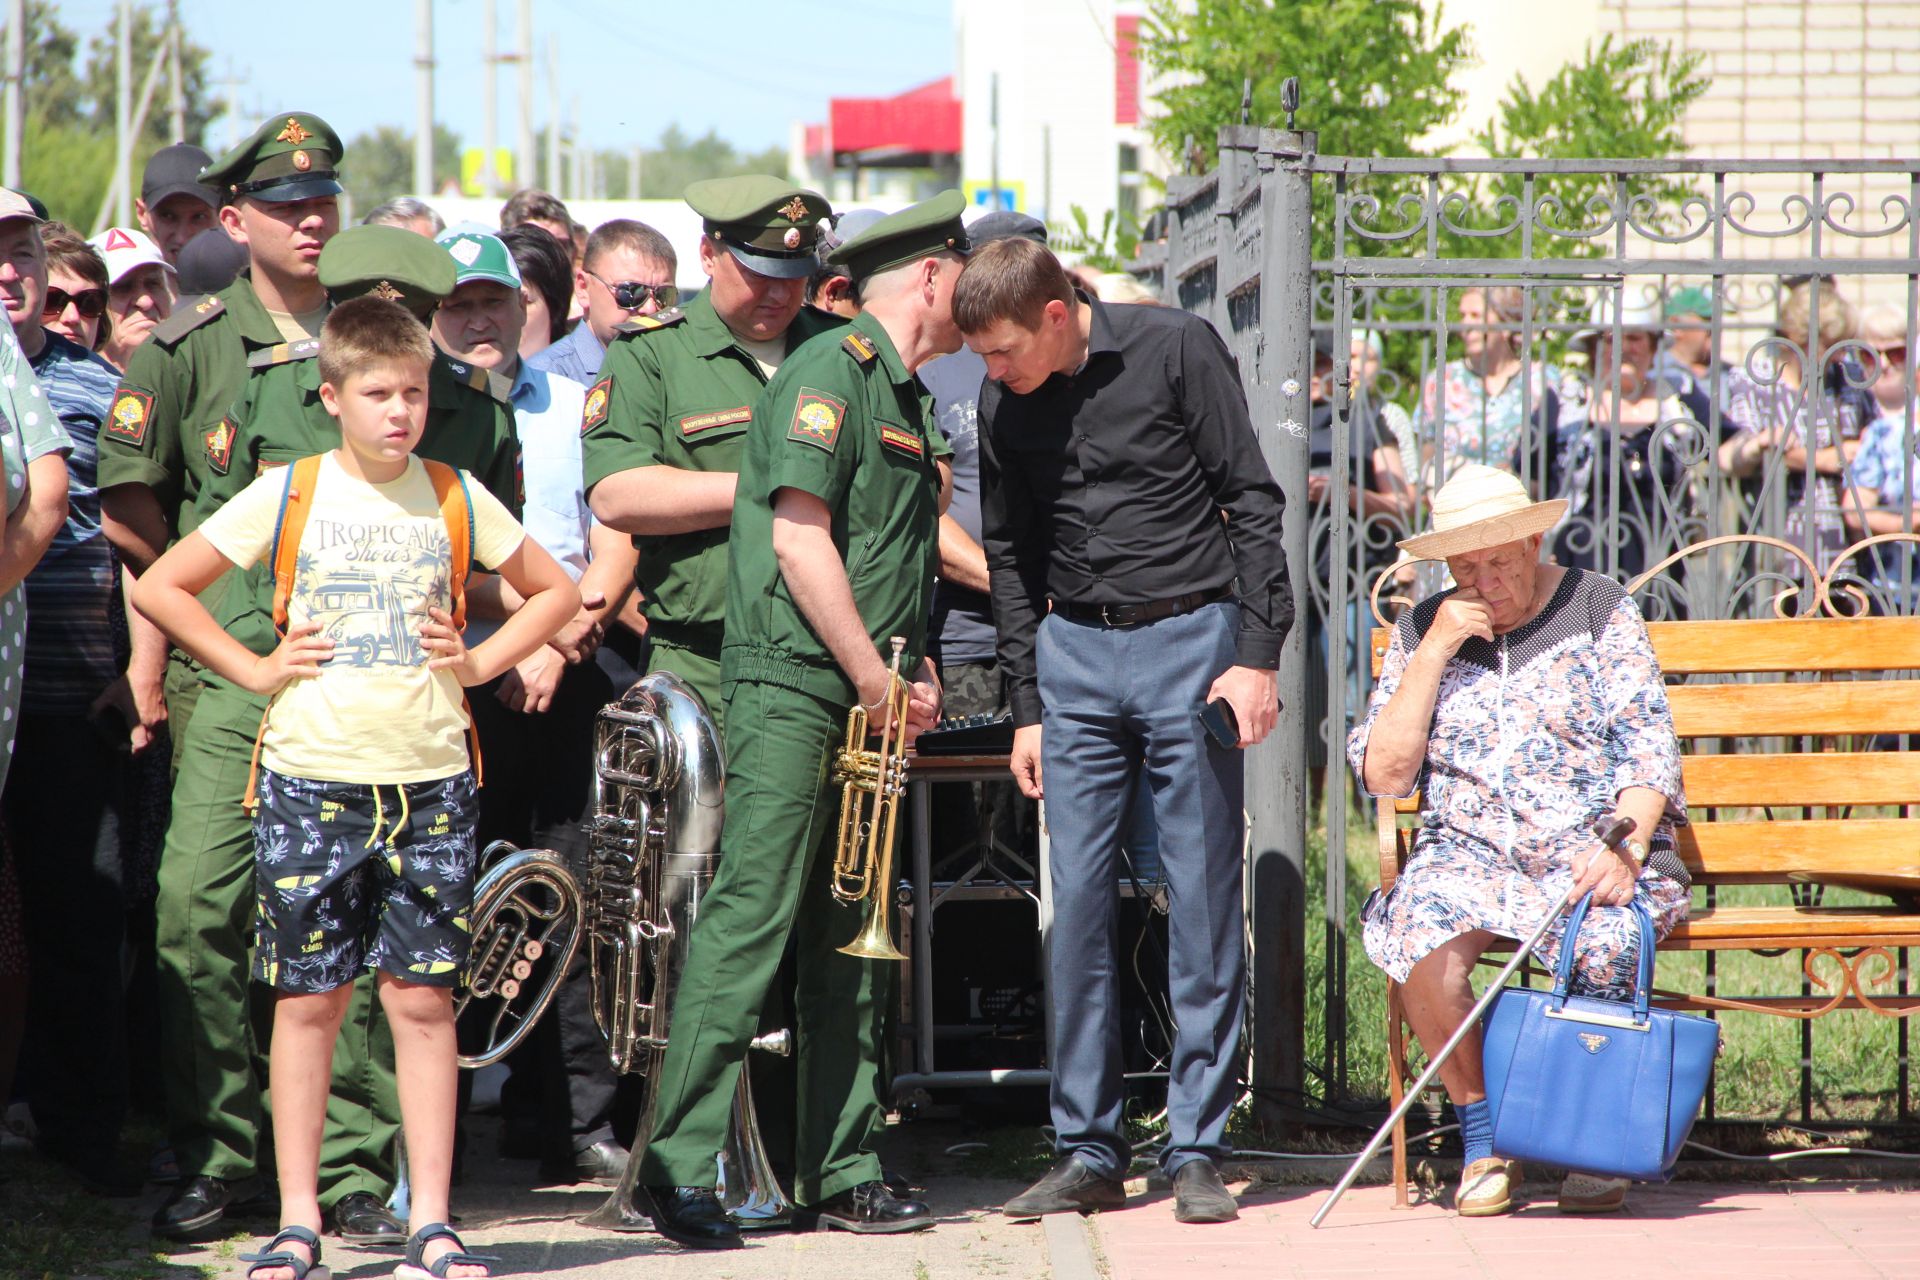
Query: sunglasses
x=89, y=302
x=631, y=295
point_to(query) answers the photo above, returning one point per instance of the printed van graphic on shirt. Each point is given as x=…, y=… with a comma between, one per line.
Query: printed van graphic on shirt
x=368, y=586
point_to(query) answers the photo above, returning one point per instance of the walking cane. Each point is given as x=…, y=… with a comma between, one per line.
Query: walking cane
x=1610, y=834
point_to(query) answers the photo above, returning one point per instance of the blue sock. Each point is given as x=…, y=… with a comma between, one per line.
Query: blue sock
x=1476, y=1129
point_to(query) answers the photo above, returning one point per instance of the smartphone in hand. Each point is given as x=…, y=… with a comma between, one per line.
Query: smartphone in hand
x=1220, y=723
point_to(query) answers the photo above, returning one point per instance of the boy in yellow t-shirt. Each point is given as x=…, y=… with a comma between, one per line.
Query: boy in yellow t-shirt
x=364, y=836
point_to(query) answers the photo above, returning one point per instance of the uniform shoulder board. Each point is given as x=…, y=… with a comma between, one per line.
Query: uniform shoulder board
x=500, y=388
x=474, y=378
x=647, y=324
x=185, y=319
x=283, y=352
x=860, y=348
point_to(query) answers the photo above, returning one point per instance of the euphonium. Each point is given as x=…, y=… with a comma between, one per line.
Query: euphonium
x=526, y=918
x=871, y=785
x=654, y=844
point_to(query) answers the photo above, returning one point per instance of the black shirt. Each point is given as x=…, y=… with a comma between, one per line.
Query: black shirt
x=1108, y=486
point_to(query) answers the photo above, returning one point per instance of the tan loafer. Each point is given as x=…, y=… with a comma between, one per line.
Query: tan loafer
x=1486, y=1188
x=1584, y=1193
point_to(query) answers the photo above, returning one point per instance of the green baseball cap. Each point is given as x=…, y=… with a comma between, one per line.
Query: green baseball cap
x=1691, y=301
x=290, y=157
x=932, y=226
x=769, y=226
x=479, y=255
x=388, y=262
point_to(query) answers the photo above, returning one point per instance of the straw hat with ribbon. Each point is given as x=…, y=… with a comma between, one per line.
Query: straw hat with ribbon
x=1482, y=507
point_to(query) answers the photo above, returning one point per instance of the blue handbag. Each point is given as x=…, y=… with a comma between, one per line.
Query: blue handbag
x=1604, y=1087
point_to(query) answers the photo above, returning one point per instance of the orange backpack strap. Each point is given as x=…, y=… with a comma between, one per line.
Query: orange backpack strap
x=295, y=503
x=456, y=510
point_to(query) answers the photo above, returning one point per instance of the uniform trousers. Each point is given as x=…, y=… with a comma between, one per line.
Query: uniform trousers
x=209, y=1055
x=772, y=883
x=1119, y=704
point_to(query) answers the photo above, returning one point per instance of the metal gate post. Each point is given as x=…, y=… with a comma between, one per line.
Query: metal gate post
x=1277, y=769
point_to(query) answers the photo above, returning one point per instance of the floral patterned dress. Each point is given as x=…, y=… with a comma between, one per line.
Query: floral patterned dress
x=1535, y=734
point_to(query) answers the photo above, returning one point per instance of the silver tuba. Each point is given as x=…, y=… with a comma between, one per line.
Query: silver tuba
x=654, y=844
x=526, y=923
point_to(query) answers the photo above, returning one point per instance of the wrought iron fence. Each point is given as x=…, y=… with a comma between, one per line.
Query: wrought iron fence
x=1684, y=349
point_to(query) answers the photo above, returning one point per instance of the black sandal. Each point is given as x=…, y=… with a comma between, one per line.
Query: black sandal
x=274, y=1256
x=414, y=1268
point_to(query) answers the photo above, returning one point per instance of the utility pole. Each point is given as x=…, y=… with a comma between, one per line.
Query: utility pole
x=231, y=83
x=524, y=157
x=178, y=123
x=993, y=124
x=553, y=116
x=633, y=174
x=423, y=103
x=16, y=85
x=490, y=57
x=123, y=117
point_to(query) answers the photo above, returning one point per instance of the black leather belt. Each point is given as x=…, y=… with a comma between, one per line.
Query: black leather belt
x=1133, y=615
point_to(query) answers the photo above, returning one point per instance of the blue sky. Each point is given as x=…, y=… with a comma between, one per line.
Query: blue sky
x=746, y=68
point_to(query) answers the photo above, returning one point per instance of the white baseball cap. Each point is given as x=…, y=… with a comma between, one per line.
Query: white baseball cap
x=126, y=249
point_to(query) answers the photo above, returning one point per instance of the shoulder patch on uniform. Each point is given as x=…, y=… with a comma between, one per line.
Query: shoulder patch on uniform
x=283, y=352
x=816, y=418
x=860, y=347
x=647, y=324
x=185, y=319
x=219, y=443
x=903, y=440
x=127, y=420
x=596, y=409
x=694, y=424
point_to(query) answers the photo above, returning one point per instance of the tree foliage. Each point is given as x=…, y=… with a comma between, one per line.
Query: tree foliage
x=1375, y=75
x=378, y=164
x=677, y=159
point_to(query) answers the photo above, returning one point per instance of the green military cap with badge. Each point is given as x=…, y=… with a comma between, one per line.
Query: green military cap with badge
x=917, y=231
x=290, y=157
x=388, y=262
x=769, y=226
x=480, y=255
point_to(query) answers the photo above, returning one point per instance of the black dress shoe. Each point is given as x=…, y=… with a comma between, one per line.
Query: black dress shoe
x=603, y=1162
x=690, y=1216
x=869, y=1209
x=359, y=1217
x=197, y=1204
x=1069, y=1187
x=1200, y=1196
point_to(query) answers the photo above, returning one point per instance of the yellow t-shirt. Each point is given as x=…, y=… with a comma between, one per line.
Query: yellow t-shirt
x=374, y=556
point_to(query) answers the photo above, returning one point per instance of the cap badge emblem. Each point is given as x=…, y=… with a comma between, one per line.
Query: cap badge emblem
x=465, y=250
x=386, y=290
x=302, y=161
x=794, y=209
x=792, y=238
x=295, y=133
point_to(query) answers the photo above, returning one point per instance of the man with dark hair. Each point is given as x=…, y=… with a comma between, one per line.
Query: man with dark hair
x=1116, y=456
x=542, y=209
x=174, y=206
x=546, y=285
x=628, y=271
x=830, y=288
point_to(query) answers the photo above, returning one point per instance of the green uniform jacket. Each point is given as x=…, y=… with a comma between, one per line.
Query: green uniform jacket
x=845, y=421
x=178, y=386
x=279, y=418
x=677, y=391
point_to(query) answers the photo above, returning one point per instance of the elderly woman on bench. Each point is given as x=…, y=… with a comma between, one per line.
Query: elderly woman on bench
x=1521, y=705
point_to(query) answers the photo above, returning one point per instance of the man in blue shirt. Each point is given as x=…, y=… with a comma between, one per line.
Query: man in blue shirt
x=627, y=271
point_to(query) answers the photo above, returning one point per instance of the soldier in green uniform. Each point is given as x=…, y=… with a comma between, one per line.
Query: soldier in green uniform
x=281, y=201
x=665, y=424
x=833, y=549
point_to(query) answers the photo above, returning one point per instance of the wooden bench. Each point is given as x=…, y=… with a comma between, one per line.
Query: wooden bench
x=1778, y=811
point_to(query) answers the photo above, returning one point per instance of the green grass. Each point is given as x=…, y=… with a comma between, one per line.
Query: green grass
x=52, y=1228
x=1855, y=1053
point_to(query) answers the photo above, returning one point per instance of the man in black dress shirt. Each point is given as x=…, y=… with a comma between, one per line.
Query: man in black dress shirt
x=1132, y=530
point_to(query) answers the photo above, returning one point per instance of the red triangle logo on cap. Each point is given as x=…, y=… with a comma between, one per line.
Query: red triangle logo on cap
x=118, y=239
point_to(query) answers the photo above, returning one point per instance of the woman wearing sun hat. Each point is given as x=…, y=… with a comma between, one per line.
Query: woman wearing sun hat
x=1521, y=704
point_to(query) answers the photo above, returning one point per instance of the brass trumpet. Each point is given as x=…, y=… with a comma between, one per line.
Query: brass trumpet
x=871, y=784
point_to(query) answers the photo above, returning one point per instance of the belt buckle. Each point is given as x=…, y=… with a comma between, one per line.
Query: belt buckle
x=1107, y=618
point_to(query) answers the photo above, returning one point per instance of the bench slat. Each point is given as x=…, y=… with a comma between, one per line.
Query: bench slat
x=1806, y=644
x=1779, y=708
x=1726, y=928
x=1790, y=780
x=1831, y=849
